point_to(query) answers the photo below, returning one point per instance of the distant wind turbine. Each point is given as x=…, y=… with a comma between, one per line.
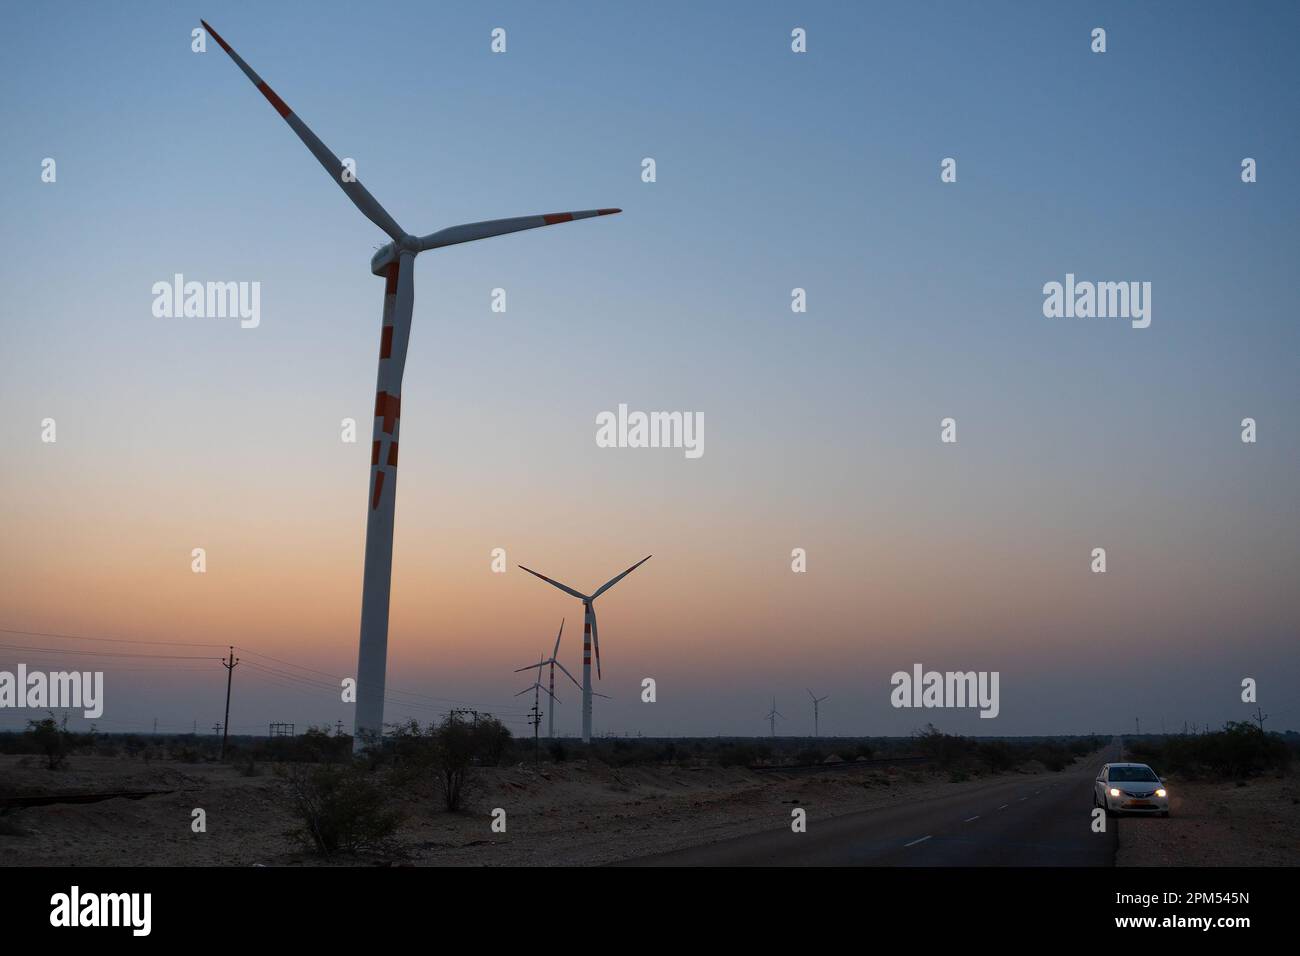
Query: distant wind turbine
x=816, y=715
x=590, y=634
x=537, y=688
x=396, y=263
x=554, y=662
x=771, y=717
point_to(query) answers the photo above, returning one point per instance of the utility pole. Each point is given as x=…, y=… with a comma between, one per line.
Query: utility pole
x=535, y=719
x=1139, y=726
x=155, y=726
x=230, y=672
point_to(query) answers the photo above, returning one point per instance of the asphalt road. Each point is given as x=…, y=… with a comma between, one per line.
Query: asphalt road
x=1010, y=821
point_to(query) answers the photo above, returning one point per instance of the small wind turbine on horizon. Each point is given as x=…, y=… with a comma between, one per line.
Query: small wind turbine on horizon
x=816, y=715
x=395, y=261
x=771, y=717
x=590, y=635
x=554, y=662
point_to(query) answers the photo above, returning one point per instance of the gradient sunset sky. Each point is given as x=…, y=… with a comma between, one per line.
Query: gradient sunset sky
x=775, y=171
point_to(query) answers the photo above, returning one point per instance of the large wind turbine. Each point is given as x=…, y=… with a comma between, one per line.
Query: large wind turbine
x=395, y=262
x=590, y=635
x=816, y=711
x=554, y=662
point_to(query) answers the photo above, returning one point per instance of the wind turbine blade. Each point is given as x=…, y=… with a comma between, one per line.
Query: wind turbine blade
x=598, y=694
x=810, y=694
x=500, y=227
x=551, y=695
x=563, y=587
x=556, y=653
x=614, y=580
x=526, y=690
x=360, y=196
x=567, y=674
x=528, y=668
x=595, y=641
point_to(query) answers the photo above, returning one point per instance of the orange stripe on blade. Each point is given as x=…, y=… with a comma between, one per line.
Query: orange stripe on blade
x=379, y=490
x=386, y=342
x=216, y=36
x=280, y=106
x=557, y=217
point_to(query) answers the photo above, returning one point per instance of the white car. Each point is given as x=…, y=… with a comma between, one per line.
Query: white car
x=1130, y=787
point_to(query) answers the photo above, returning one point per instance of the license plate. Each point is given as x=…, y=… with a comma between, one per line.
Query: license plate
x=1140, y=803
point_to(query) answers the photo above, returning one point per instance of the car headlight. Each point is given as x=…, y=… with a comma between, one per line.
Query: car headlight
x=1161, y=792
x=1114, y=791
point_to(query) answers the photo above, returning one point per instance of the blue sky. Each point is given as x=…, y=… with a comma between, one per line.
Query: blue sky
x=775, y=170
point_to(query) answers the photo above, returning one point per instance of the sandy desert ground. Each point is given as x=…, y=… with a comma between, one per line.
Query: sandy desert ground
x=1213, y=824
x=567, y=814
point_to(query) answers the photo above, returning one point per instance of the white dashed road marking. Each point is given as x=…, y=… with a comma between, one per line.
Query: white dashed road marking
x=1004, y=806
x=915, y=842
x=969, y=819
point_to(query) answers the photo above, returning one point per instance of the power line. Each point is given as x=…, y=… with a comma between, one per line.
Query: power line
x=336, y=677
x=110, y=640
x=73, y=650
x=270, y=672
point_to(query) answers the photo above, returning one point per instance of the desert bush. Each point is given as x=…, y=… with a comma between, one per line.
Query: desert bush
x=340, y=808
x=1239, y=750
x=449, y=750
x=50, y=738
x=458, y=745
x=996, y=755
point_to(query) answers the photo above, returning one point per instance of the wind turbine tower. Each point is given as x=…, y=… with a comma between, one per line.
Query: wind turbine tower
x=816, y=711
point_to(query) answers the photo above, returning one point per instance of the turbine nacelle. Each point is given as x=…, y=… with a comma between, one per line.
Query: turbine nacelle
x=392, y=252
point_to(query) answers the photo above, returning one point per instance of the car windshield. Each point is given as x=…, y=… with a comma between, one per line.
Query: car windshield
x=1118, y=774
